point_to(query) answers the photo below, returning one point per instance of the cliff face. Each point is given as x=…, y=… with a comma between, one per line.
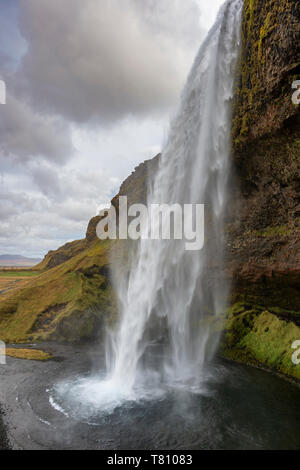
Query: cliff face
x=264, y=241
x=270, y=63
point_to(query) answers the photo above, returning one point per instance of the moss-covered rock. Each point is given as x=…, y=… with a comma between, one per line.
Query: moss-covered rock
x=270, y=63
x=263, y=250
x=29, y=354
x=264, y=234
x=263, y=338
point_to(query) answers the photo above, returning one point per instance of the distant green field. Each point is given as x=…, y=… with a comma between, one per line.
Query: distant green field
x=15, y=273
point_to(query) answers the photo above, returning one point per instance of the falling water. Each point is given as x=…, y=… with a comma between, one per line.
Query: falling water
x=172, y=296
x=172, y=292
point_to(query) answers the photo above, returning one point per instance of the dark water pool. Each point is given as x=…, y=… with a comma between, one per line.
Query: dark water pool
x=240, y=408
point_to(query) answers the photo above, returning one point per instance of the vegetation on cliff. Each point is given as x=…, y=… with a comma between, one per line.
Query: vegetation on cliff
x=65, y=303
x=263, y=338
x=270, y=63
x=264, y=241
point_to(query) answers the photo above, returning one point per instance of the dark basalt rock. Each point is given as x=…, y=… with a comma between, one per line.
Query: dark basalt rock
x=263, y=252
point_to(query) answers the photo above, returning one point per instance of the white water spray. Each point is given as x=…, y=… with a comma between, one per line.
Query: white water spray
x=172, y=295
x=168, y=287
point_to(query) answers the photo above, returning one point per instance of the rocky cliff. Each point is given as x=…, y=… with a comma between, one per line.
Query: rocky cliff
x=264, y=240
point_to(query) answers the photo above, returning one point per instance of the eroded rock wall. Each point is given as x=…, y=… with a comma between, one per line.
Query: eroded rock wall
x=263, y=254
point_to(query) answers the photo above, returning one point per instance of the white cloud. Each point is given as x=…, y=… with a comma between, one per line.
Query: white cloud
x=36, y=219
x=104, y=60
x=24, y=134
x=90, y=99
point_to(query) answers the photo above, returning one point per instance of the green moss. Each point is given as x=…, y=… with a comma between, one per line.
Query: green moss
x=280, y=230
x=262, y=103
x=261, y=337
x=244, y=127
x=250, y=14
x=74, y=292
x=265, y=30
x=265, y=319
x=238, y=326
x=16, y=273
x=29, y=354
x=270, y=342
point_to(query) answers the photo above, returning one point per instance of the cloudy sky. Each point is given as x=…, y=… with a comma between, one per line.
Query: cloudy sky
x=91, y=86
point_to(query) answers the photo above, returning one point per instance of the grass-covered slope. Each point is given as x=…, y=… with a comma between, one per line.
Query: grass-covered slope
x=65, y=303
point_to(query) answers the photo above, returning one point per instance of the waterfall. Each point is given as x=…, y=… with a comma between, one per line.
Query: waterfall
x=171, y=294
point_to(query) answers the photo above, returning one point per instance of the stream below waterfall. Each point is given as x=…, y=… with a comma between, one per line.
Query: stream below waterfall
x=238, y=408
